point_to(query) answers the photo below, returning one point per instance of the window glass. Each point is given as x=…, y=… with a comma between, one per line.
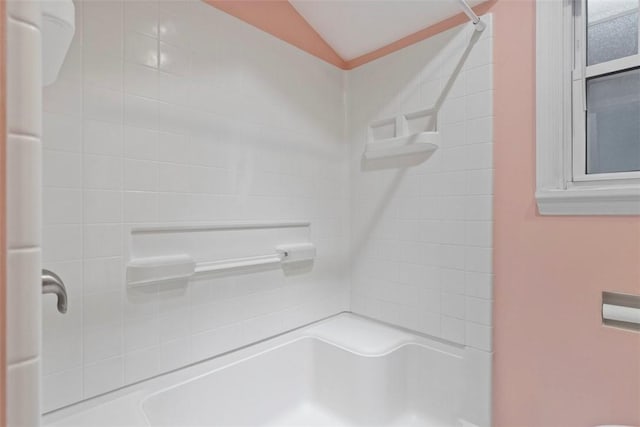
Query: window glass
x=613, y=123
x=612, y=29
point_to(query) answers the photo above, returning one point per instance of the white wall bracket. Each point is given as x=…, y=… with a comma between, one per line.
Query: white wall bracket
x=475, y=19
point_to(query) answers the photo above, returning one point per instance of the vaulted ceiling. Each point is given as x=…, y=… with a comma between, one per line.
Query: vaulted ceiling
x=348, y=33
x=354, y=27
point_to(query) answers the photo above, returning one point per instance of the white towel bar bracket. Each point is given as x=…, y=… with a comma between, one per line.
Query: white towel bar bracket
x=153, y=270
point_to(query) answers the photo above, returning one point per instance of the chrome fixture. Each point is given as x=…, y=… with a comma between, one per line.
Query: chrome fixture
x=53, y=284
x=621, y=310
x=475, y=19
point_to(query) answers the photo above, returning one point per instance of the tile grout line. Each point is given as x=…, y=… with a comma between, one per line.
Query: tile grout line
x=82, y=201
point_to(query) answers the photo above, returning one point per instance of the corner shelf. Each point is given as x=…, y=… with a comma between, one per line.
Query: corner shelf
x=423, y=142
x=404, y=142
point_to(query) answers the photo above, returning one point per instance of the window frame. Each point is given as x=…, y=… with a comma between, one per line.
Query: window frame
x=562, y=185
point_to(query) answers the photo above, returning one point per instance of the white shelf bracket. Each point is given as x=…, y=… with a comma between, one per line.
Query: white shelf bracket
x=404, y=141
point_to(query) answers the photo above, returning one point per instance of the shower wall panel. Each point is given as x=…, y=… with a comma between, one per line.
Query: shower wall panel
x=174, y=113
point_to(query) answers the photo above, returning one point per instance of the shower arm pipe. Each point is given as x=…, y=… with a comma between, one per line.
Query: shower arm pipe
x=475, y=19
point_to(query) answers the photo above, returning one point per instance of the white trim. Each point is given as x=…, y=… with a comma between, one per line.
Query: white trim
x=615, y=177
x=213, y=226
x=612, y=66
x=559, y=105
x=601, y=200
x=612, y=17
x=553, y=71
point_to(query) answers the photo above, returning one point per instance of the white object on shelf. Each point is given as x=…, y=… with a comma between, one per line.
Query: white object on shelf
x=404, y=140
x=152, y=270
x=621, y=310
x=58, y=27
x=621, y=313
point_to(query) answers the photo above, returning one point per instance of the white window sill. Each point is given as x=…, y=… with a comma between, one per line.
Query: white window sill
x=605, y=200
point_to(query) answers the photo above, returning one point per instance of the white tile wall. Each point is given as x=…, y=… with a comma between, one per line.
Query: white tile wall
x=175, y=112
x=24, y=212
x=422, y=234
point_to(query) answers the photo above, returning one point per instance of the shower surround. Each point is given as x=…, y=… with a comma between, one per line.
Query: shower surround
x=174, y=113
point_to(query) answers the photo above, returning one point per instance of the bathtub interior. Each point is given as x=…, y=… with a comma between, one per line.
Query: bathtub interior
x=313, y=382
x=345, y=370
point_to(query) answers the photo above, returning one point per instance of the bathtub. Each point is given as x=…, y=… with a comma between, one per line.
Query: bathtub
x=343, y=371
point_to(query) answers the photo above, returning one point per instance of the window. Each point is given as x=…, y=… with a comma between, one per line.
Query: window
x=613, y=124
x=588, y=107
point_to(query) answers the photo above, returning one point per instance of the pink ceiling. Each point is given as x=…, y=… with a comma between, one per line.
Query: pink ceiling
x=280, y=19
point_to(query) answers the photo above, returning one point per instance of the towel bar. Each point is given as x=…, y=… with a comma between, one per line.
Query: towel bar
x=152, y=270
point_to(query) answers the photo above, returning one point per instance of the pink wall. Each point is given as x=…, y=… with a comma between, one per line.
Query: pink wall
x=555, y=364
